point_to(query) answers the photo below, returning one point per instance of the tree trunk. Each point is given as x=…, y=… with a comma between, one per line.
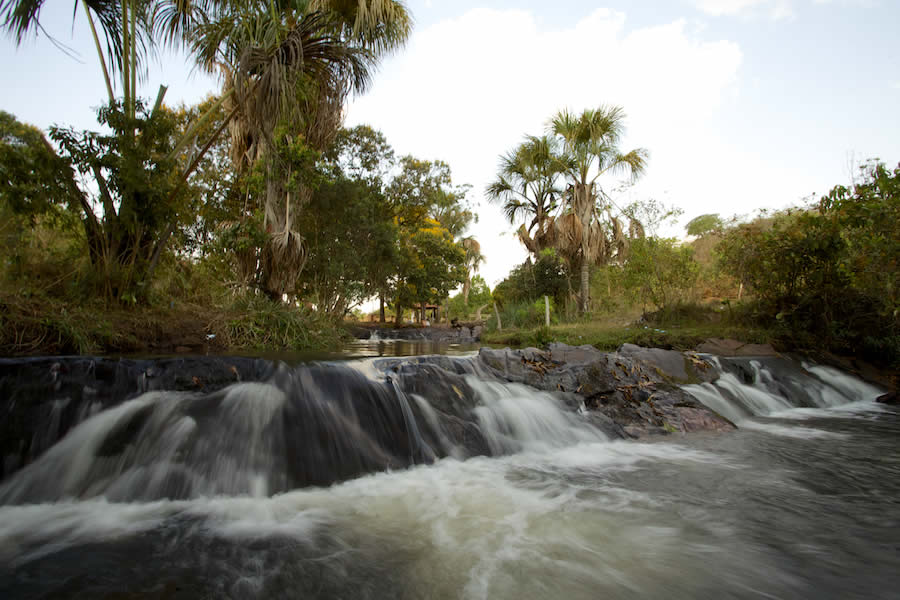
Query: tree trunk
x=585, y=299
x=466, y=287
x=381, y=307
x=399, y=314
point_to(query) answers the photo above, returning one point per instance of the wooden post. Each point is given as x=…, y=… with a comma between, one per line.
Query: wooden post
x=497, y=314
x=546, y=311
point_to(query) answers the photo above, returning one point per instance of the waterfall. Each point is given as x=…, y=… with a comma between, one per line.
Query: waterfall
x=311, y=425
x=758, y=387
x=322, y=423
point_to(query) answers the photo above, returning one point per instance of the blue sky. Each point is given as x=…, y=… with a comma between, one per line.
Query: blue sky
x=741, y=103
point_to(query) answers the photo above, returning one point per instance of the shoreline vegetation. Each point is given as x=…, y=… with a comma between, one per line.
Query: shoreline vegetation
x=254, y=221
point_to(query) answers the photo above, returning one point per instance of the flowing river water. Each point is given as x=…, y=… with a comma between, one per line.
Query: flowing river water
x=802, y=501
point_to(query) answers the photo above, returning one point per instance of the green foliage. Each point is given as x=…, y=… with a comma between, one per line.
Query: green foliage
x=479, y=296
x=660, y=272
x=255, y=322
x=832, y=269
x=351, y=239
x=430, y=265
x=531, y=281
x=704, y=224
x=137, y=184
x=34, y=181
x=424, y=189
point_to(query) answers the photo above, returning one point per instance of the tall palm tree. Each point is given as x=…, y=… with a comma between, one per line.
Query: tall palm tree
x=590, y=150
x=292, y=64
x=266, y=52
x=527, y=186
x=474, y=258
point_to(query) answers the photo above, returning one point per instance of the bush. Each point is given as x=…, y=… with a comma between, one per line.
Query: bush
x=830, y=270
x=660, y=272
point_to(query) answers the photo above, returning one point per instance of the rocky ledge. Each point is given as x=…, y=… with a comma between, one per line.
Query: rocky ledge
x=635, y=388
x=464, y=333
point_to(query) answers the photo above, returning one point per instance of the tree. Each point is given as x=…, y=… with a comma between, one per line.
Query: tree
x=431, y=264
x=363, y=154
x=830, y=269
x=291, y=67
x=283, y=64
x=590, y=150
x=139, y=187
x=527, y=186
x=34, y=180
x=351, y=236
x=474, y=258
x=660, y=271
x=704, y=224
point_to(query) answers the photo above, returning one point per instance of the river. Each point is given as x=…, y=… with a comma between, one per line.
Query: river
x=797, y=503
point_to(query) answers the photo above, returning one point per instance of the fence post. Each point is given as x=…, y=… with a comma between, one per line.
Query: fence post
x=546, y=311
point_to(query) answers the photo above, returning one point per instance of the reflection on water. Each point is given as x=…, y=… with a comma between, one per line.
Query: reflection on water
x=356, y=348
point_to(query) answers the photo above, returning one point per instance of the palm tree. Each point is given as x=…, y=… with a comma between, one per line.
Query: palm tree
x=527, y=186
x=292, y=65
x=590, y=150
x=266, y=52
x=474, y=258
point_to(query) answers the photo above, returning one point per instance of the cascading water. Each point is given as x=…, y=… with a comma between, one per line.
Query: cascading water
x=427, y=478
x=749, y=387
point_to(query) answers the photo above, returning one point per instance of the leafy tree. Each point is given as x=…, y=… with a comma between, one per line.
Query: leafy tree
x=830, y=270
x=531, y=281
x=424, y=189
x=34, y=180
x=139, y=188
x=351, y=236
x=361, y=153
x=431, y=264
x=704, y=224
x=660, y=271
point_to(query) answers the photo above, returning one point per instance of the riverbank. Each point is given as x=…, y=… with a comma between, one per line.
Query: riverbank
x=47, y=327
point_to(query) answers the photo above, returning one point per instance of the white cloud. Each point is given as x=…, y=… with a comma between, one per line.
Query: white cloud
x=775, y=9
x=469, y=88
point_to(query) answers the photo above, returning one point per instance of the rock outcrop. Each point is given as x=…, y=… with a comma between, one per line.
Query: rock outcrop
x=636, y=388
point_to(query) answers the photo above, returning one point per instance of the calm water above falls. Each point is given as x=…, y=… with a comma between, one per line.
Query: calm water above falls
x=798, y=503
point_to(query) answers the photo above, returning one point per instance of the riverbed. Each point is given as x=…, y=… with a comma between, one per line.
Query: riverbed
x=796, y=503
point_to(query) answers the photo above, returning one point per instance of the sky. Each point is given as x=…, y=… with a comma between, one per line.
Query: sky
x=741, y=104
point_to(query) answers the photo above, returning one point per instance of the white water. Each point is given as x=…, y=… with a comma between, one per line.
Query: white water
x=823, y=387
x=564, y=513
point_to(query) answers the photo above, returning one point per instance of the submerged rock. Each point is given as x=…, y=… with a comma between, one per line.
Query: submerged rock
x=889, y=398
x=728, y=347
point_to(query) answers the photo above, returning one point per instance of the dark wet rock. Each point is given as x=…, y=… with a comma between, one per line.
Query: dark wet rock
x=728, y=347
x=889, y=398
x=634, y=388
x=448, y=422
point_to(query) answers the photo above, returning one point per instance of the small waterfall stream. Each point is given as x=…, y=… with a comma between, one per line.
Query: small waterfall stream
x=749, y=387
x=426, y=477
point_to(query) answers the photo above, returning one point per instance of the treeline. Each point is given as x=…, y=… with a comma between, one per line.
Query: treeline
x=370, y=225
x=822, y=276
x=256, y=195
